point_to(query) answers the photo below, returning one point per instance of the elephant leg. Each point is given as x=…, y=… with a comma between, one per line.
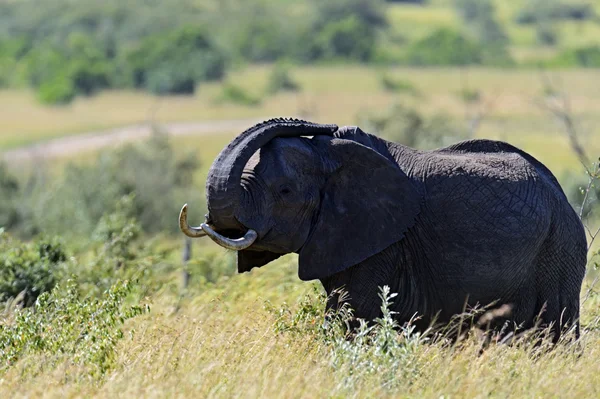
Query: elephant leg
x=358, y=288
x=558, y=297
x=507, y=322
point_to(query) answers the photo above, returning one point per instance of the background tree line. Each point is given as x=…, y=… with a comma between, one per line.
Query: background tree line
x=65, y=48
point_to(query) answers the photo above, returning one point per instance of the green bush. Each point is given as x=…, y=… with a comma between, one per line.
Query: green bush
x=58, y=90
x=394, y=85
x=281, y=80
x=345, y=29
x=66, y=327
x=210, y=266
x=587, y=57
x=232, y=93
x=445, y=47
x=118, y=230
x=176, y=62
x=28, y=270
x=540, y=11
x=546, y=34
x=73, y=204
x=480, y=16
x=9, y=194
x=347, y=38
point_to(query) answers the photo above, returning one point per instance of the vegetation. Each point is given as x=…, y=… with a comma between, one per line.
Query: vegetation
x=90, y=256
x=63, y=49
x=112, y=319
x=150, y=173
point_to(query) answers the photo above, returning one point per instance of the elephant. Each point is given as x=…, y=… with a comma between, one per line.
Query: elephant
x=477, y=223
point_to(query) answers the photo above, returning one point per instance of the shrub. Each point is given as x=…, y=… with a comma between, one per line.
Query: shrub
x=587, y=57
x=383, y=349
x=56, y=91
x=176, y=62
x=75, y=203
x=66, y=327
x=479, y=15
x=122, y=254
x=28, y=270
x=347, y=38
x=280, y=80
x=444, y=47
x=391, y=84
x=9, y=192
x=264, y=31
x=118, y=230
x=546, y=35
x=346, y=29
x=210, y=266
x=543, y=10
x=232, y=93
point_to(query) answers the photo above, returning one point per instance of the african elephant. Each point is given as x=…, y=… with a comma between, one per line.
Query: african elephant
x=475, y=223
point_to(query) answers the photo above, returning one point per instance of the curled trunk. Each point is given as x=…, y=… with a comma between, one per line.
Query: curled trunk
x=223, y=187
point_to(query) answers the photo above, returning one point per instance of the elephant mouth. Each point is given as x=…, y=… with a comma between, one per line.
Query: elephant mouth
x=206, y=229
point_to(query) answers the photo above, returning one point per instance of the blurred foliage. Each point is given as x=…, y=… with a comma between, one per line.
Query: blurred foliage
x=64, y=49
x=159, y=180
x=395, y=85
x=9, y=194
x=117, y=231
x=235, y=94
x=544, y=14
x=28, y=270
x=445, y=47
x=480, y=16
x=347, y=29
x=280, y=80
x=586, y=57
x=175, y=62
x=537, y=11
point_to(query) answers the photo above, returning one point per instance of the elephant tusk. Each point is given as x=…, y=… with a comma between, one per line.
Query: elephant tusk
x=235, y=244
x=193, y=232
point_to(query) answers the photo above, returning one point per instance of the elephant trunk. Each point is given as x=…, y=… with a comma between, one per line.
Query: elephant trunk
x=223, y=188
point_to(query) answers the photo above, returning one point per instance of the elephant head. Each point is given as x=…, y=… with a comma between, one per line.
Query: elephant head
x=336, y=198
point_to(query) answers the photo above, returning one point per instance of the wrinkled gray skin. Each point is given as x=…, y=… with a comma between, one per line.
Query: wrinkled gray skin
x=470, y=224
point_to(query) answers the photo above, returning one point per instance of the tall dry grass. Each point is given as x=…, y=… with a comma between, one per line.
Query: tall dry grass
x=237, y=337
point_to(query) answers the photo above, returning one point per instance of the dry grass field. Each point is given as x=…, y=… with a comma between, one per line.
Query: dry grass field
x=258, y=335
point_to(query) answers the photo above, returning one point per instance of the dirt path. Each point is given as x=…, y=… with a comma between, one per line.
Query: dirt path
x=71, y=145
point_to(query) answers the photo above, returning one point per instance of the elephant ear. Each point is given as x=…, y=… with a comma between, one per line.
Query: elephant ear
x=248, y=259
x=367, y=204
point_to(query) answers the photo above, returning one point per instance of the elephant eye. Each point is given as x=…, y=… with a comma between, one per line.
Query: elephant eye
x=285, y=190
